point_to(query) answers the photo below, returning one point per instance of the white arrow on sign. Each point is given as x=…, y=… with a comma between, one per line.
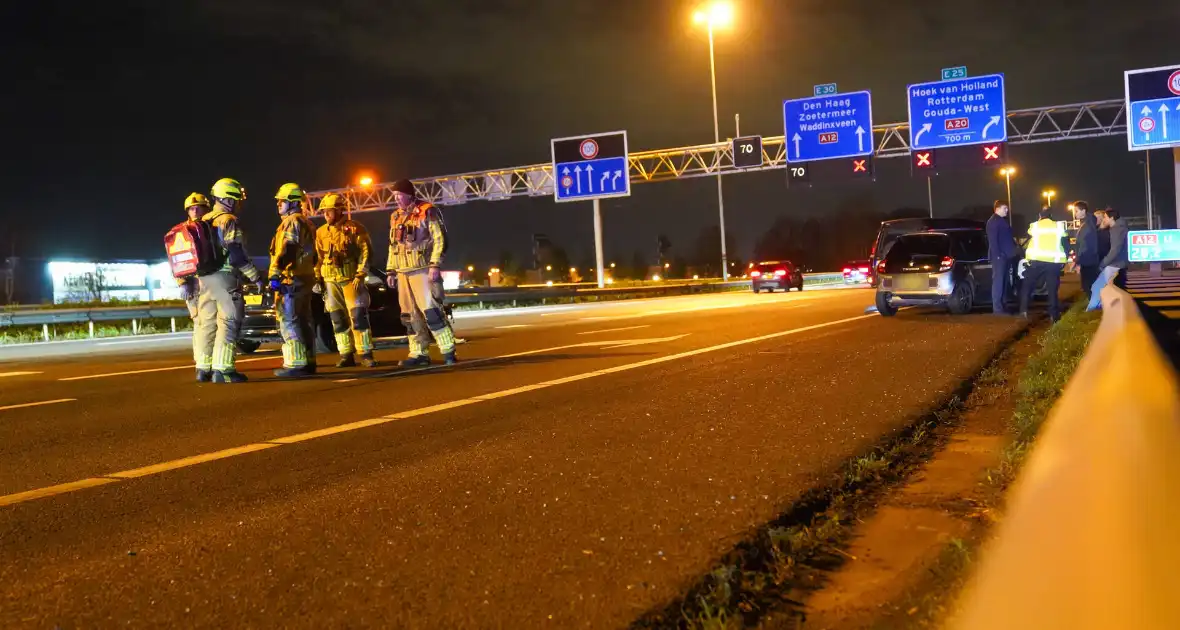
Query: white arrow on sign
x=918, y=136
x=860, y=138
x=796, y=138
x=991, y=123
x=1164, y=119
x=590, y=177
x=578, y=178
x=602, y=184
x=614, y=181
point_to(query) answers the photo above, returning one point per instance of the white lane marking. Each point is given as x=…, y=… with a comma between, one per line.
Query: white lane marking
x=4, y=374
x=160, y=339
x=595, y=332
x=163, y=369
x=514, y=326
x=37, y=404
x=345, y=380
x=154, y=469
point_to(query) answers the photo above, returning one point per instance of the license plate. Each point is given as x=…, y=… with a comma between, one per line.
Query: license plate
x=911, y=282
x=253, y=300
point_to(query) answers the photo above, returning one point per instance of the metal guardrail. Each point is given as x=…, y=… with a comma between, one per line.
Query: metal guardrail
x=50, y=317
x=1089, y=540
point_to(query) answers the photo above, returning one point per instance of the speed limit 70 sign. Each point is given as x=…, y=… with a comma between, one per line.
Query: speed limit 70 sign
x=747, y=152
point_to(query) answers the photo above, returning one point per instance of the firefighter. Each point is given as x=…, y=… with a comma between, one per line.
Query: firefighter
x=1046, y=255
x=292, y=275
x=220, y=308
x=417, y=242
x=195, y=205
x=343, y=246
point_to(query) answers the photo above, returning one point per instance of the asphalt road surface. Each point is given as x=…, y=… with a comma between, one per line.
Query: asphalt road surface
x=581, y=466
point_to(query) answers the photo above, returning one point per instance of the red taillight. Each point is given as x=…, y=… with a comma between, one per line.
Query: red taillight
x=947, y=263
x=848, y=270
x=780, y=272
x=755, y=273
x=880, y=266
x=864, y=269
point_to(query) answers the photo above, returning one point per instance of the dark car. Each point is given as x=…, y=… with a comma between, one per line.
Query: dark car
x=261, y=325
x=891, y=230
x=857, y=272
x=776, y=274
x=936, y=268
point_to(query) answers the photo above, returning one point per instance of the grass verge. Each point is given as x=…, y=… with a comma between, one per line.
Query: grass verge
x=66, y=332
x=1037, y=389
x=789, y=557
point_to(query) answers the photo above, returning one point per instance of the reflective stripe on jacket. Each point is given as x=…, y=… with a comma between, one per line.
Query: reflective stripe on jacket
x=344, y=251
x=1045, y=245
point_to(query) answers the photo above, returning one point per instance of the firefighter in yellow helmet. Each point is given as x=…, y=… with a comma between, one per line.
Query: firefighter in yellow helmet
x=343, y=246
x=417, y=242
x=292, y=275
x=220, y=308
x=195, y=205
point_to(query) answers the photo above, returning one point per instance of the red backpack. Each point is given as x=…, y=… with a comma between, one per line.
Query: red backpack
x=192, y=249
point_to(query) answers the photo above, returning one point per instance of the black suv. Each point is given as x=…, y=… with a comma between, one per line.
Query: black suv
x=893, y=229
x=947, y=267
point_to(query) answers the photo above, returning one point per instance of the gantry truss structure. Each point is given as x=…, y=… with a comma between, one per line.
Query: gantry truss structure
x=1025, y=126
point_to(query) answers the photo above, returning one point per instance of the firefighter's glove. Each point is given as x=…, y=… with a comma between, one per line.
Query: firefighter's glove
x=276, y=284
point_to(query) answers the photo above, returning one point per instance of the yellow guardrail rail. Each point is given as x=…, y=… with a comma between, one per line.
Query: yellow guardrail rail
x=1091, y=538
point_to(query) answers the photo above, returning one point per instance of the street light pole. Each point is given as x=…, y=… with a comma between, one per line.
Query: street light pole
x=1008, y=183
x=716, y=140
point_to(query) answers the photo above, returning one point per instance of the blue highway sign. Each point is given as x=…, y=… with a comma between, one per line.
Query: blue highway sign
x=957, y=112
x=590, y=167
x=1153, y=108
x=828, y=127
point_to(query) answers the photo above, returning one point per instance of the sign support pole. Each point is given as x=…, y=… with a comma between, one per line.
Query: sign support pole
x=598, y=245
x=1176, y=167
x=930, y=195
x=1147, y=186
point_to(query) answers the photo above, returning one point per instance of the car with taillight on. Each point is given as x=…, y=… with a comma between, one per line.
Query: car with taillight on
x=856, y=272
x=948, y=268
x=776, y=274
x=893, y=229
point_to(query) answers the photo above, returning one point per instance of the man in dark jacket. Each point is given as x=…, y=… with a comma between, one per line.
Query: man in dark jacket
x=1001, y=250
x=1086, y=249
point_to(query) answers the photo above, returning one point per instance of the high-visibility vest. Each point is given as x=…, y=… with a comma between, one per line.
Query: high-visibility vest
x=1045, y=244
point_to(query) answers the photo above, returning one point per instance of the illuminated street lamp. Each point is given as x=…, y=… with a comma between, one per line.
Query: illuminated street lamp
x=365, y=179
x=1049, y=195
x=470, y=268
x=1008, y=172
x=717, y=15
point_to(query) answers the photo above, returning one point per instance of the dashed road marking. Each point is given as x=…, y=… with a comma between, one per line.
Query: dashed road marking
x=4, y=374
x=163, y=369
x=595, y=332
x=37, y=404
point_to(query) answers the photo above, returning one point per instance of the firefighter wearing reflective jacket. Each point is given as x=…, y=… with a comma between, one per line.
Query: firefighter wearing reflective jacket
x=220, y=308
x=1046, y=255
x=195, y=205
x=417, y=242
x=343, y=246
x=292, y=275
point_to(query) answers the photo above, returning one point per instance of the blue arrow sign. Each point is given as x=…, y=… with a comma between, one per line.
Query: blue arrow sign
x=1153, y=108
x=957, y=112
x=1153, y=245
x=828, y=127
x=590, y=167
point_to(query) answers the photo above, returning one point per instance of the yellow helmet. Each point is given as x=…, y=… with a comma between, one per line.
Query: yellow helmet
x=196, y=199
x=334, y=201
x=290, y=192
x=227, y=188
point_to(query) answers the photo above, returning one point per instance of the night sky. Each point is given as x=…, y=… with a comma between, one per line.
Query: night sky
x=114, y=111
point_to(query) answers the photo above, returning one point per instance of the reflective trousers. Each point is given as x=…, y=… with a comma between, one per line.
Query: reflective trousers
x=422, y=314
x=220, y=312
x=296, y=324
x=348, y=307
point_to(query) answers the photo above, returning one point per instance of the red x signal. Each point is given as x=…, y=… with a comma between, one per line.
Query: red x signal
x=991, y=153
x=924, y=159
x=858, y=166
